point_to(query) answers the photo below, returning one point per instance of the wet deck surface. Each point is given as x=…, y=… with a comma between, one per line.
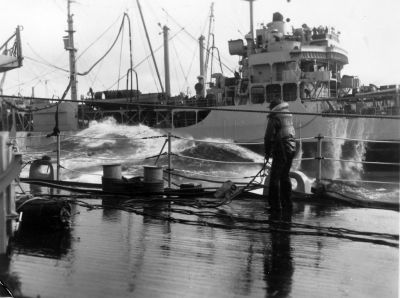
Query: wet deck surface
x=114, y=253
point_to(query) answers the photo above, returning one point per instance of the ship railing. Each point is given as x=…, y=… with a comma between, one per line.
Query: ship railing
x=320, y=158
x=170, y=171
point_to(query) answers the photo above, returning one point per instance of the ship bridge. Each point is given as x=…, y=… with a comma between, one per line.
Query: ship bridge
x=322, y=53
x=289, y=62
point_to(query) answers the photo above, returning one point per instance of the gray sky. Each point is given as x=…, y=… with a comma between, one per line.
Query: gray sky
x=369, y=32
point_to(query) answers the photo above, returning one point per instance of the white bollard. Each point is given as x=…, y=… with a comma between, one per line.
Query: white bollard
x=112, y=171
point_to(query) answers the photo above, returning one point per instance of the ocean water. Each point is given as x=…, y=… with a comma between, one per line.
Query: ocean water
x=107, y=142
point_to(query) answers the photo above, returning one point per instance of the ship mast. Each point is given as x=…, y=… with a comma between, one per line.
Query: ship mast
x=151, y=48
x=210, y=28
x=69, y=46
x=166, y=62
x=201, y=46
x=251, y=19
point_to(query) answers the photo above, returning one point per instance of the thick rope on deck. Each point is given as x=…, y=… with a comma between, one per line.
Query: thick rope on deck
x=173, y=173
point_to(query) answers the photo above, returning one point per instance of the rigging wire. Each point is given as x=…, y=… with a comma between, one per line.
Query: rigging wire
x=34, y=74
x=47, y=64
x=46, y=81
x=145, y=59
x=157, y=49
x=190, y=67
x=150, y=46
x=94, y=77
x=59, y=6
x=32, y=80
x=180, y=63
x=149, y=64
x=125, y=16
x=185, y=75
x=44, y=61
x=120, y=59
x=98, y=38
x=195, y=39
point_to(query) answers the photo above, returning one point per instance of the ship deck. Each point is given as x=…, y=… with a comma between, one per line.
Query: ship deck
x=234, y=251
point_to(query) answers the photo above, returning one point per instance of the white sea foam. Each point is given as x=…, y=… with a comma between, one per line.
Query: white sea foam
x=338, y=149
x=106, y=142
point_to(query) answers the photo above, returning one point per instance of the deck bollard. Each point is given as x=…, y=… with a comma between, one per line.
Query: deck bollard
x=153, y=179
x=152, y=173
x=112, y=177
x=112, y=171
x=319, y=158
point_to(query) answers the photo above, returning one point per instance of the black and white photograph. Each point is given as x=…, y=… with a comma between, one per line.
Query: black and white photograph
x=199, y=148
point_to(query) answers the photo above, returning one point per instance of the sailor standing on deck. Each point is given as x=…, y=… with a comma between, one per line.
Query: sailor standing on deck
x=199, y=86
x=279, y=143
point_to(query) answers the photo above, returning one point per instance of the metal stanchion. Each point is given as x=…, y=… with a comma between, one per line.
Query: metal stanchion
x=58, y=156
x=319, y=157
x=169, y=160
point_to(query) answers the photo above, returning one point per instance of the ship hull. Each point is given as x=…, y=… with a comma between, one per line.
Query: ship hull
x=358, y=139
x=244, y=124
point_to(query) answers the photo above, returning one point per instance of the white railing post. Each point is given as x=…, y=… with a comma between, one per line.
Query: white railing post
x=58, y=156
x=319, y=158
x=169, y=160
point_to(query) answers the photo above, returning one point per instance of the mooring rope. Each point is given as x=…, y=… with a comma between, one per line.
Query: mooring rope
x=173, y=173
x=210, y=175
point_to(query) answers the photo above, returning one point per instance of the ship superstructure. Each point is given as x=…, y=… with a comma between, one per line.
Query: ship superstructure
x=290, y=63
